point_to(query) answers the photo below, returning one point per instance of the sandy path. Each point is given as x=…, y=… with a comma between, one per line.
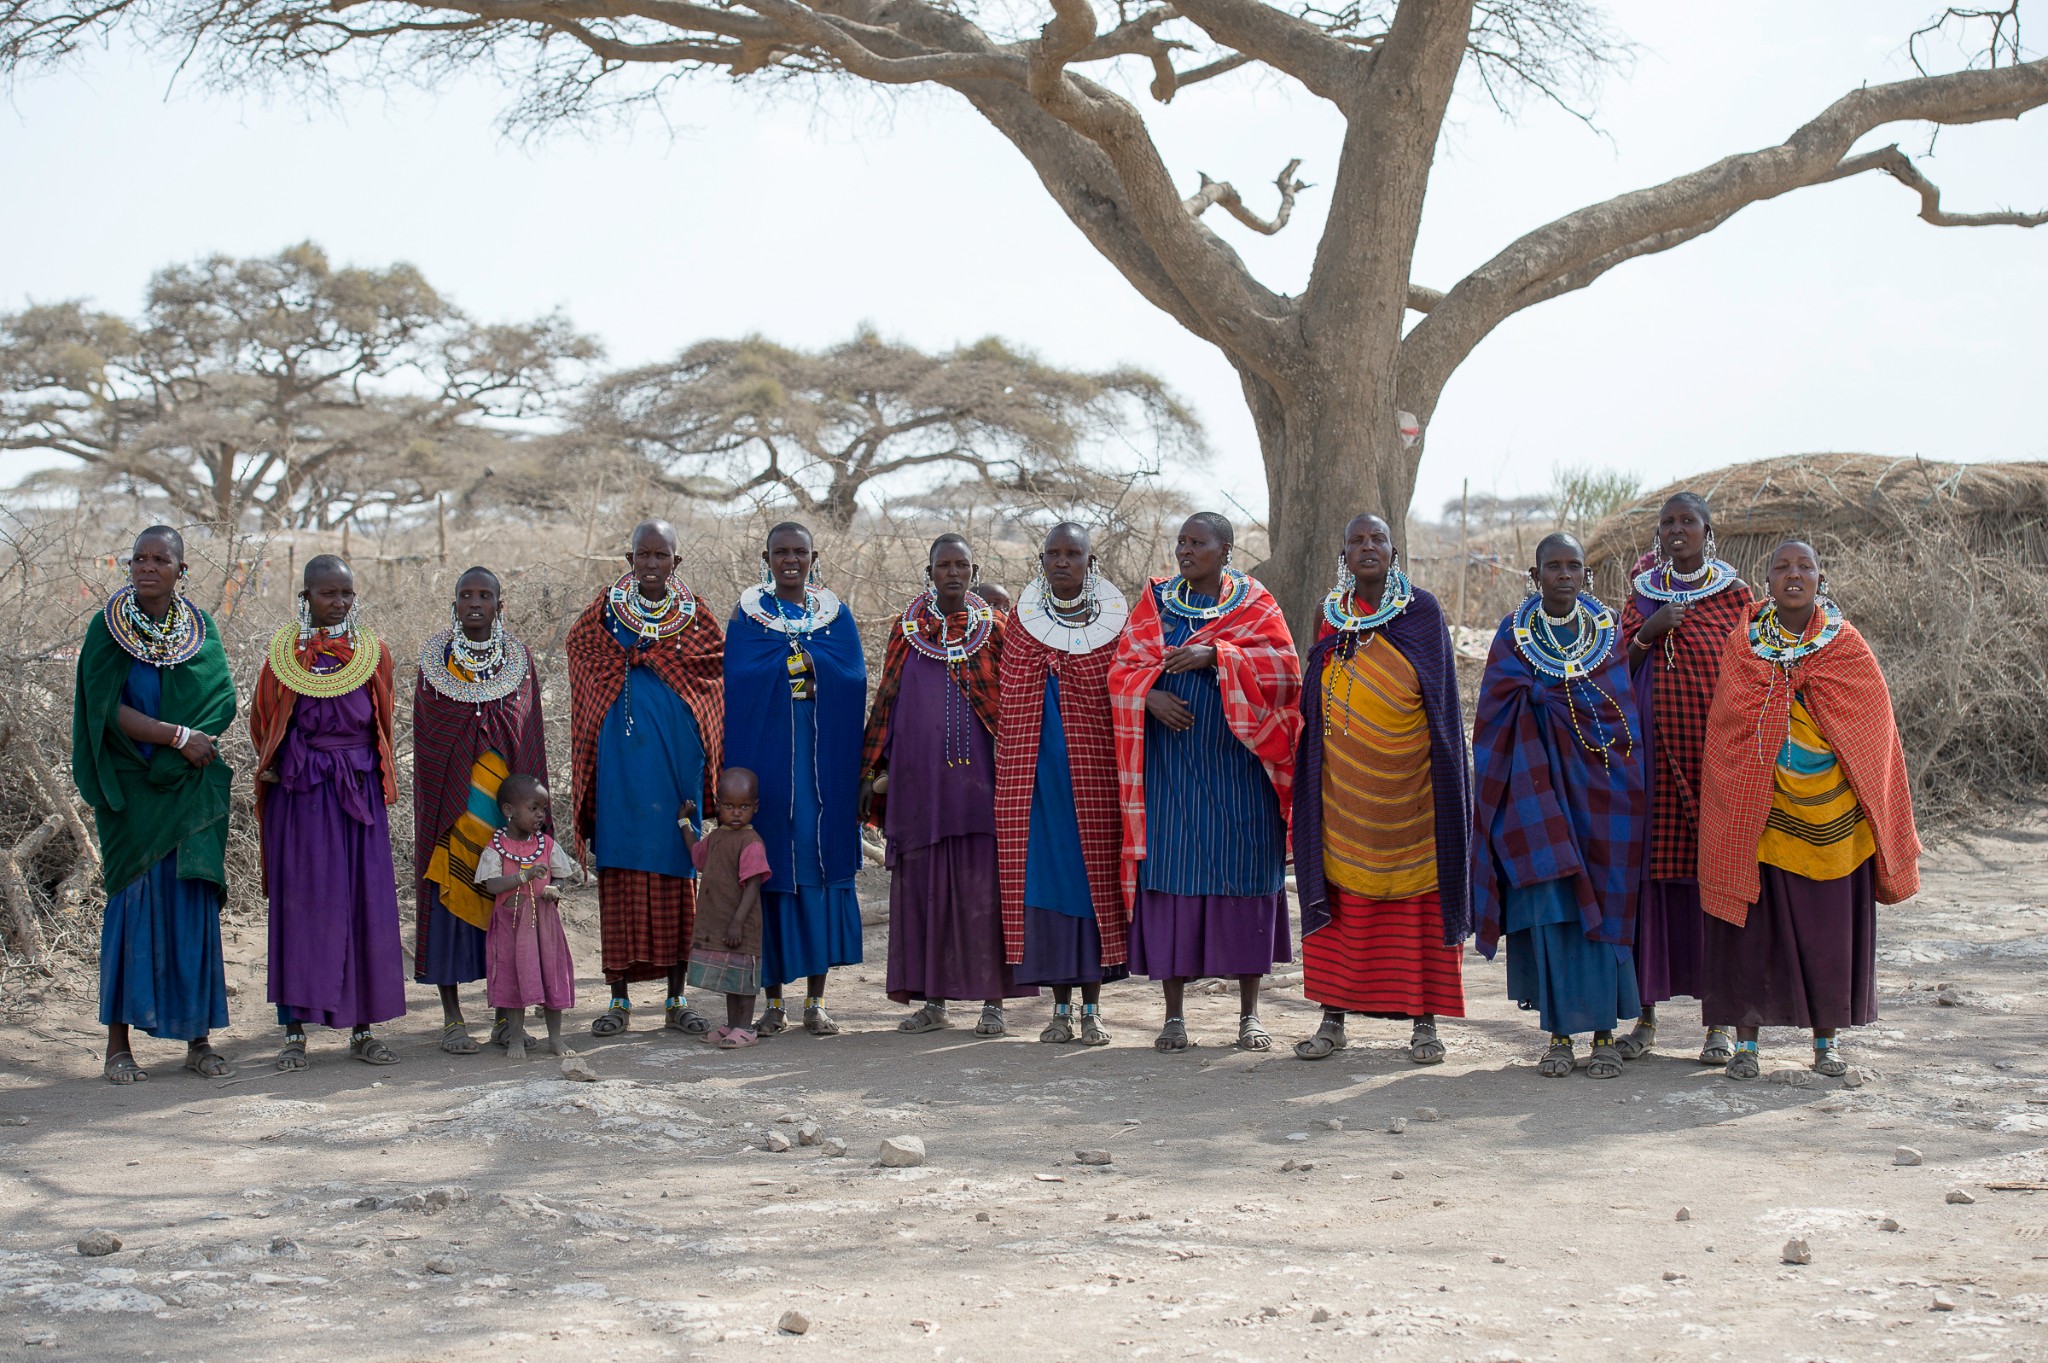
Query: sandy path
x=456, y=1209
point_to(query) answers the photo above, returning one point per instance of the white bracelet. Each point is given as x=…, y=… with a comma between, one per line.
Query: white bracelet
x=184, y=737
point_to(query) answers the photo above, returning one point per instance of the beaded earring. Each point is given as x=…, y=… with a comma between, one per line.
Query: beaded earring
x=1713, y=550
x=1346, y=579
x=305, y=618
x=975, y=579
x=1532, y=589
x=184, y=574
x=1229, y=554
x=348, y=622
x=931, y=590
x=1397, y=561
x=816, y=578
x=767, y=575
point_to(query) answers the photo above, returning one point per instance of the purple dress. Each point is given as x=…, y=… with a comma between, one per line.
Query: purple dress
x=945, y=914
x=335, y=958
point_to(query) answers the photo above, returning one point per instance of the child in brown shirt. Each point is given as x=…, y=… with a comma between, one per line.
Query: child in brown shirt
x=732, y=865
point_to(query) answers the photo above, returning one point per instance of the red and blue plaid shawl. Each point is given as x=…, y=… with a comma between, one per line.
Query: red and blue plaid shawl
x=1421, y=636
x=1258, y=674
x=1545, y=808
x=977, y=678
x=1091, y=762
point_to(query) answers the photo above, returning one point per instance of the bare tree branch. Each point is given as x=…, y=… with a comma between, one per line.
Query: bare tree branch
x=1900, y=167
x=1221, y=194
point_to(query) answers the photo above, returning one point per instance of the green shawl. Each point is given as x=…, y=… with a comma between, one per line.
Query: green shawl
x=147, y=810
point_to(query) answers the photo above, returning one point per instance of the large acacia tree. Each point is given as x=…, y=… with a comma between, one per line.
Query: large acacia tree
x=1325, y=371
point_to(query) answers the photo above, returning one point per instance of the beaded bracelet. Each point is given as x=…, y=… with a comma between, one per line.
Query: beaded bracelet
x=184, y=736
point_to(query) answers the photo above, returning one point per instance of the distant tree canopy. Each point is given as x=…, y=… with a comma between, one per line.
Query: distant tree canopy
x=279, y=386
x=732, y=419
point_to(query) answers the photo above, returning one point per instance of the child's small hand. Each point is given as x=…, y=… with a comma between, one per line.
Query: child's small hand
x=732, y=939
x=688, y=813
x=550, y=893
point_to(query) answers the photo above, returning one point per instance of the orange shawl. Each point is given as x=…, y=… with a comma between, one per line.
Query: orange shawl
x=270, y=712
x=1746, y=726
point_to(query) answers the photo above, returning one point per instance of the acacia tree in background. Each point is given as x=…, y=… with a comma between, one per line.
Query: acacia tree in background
x=733, y=419
x=280, y=386
x=1326, y=371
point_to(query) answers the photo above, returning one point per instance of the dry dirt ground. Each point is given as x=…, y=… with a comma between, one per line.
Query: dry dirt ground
x=1255, y=1207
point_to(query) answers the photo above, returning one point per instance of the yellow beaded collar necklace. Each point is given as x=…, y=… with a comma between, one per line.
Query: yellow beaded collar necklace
x=296, y=677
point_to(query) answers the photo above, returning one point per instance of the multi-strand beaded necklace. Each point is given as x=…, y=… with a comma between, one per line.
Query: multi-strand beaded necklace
x=1340, y=609
x=654, y=620
x=1573, y=662
x=1237, y=591
x=488, y=674
x=1784, y=650
x=796, y=629
x=177, y=640
x=299, y=679
x=953, y=654
x=1664, y=583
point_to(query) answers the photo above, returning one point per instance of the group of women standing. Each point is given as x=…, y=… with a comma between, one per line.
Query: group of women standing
x=1703, y=796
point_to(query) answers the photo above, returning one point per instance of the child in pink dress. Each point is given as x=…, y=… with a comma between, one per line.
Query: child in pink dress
x=732, y=866
x=526, y=956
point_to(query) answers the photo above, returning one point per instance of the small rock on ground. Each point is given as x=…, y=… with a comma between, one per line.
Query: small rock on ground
x=793, y=1322
x=1684, y=1214
x=774, y=1140
x=1942, y=1302
x=1331, y=1123
x=809, y=1133
x=1425, y=1114
x=1889, y=1224
x=902, y=1152
x=1319, y=1315
x=1796, y=1251
x=577, y=1068
x=833, y=1147
x=1958, y=1198
x=95, y=1244
x=1091, y=1157
x=441, y=1264
x=1397, y=1126
x=1906, y=1155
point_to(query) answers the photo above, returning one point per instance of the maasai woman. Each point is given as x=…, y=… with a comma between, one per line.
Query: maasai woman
x=321, y=721
x=475, y=719
x=1382, y=806
x=1056, y=810
x=796, y=683
x=1680, y=611
x=1557, y=827
x=929, y=757
x=1204, y=689
x=1806, y=821
x=153, y=694
x=646, y=722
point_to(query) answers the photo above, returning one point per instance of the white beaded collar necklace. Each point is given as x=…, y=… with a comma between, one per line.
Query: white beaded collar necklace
x=1042, y=623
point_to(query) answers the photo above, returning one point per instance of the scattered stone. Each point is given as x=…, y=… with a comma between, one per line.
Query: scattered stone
x=833, y=1147
x=1269, y=1311
x=789, y=1119
x=1397, y=1174
x=16, y=1121
x=1498, y=1258
x=1684, y=1214
x=40, y=1339
x=216, y=1216
x=1425, y=1114
x=902, y=1152
x=1319, y=1315
x=577, y=1068
x=98, y=1244
x=1942, y=1302
x=1888, y=1224
x=1857, y=1077
x=442, y=1264
x=1397, y=1126
x=793, y=1322
x=983, y=1216
x=1091, y=1157
x=809, y=1133
x=1905, y=1154
x=775, y=1141
x=1796, y=1251
x=1958, y=1198
x=1297, y=1135
x=1295, y=1166
x=284, y=1247
x=1672, y=1275
x=1798, y=1079
x=1331, y=1123
x=1948, y=998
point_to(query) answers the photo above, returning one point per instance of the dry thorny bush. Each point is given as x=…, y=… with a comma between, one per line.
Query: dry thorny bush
x=1968, y=686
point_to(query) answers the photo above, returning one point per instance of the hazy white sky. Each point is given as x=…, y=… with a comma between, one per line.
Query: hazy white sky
x=1832, y=319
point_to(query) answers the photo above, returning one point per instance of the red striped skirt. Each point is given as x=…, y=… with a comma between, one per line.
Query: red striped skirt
x=1384, y=958
x=644, y=923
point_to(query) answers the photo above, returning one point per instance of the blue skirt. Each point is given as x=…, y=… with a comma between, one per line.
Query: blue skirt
x=455, y=950
x=1060, y=949
x=160, y=961
x=809, y=932
x=1573, y=984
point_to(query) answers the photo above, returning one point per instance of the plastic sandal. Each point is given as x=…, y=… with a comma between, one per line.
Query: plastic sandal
x=1173, y=1036
x=1719, y=1047
x=1638, y=1042
x=739, y=1037
x=1605, y=1062
x=1558, y=1061
x=930, y=1018
x=1060, y=1030
x=1093, y=1033
x=716, y=1035
x=1745, y=1064
x=1251, y=1036
x=456, y=1040
x=991, y=1022
x=1327, y=1041
x=122, y=1069
x=616, y=1018
x=818, y=1022
x=370, y=1050
x=685, y=1019
x=1828, y=1061
x=1423, y=1046
x=208, y=1063
x=774, y=1022
x=291, y=1057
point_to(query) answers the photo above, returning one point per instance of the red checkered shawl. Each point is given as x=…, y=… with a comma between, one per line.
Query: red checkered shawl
x=1091, y=760
x=691, y=662
x=1674, y=691
x=1259, y=674
x=1751, y=715
x=978, y=678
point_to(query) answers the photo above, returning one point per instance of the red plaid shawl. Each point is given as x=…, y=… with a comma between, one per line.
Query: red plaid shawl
x=1091, y=759
x=1676, y=700
x=692, y=662
x=1752, y=712
x=1259, y=674
x=978, y=676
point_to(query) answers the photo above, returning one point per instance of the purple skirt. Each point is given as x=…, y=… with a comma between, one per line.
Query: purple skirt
x=1190, y=936
x=1671, y=941
x=946, y=924
x=1060, y=949
x=1806, y=958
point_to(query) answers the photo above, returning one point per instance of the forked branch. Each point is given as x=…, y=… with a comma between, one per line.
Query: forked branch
x=1900, y=167
x=1222, y=194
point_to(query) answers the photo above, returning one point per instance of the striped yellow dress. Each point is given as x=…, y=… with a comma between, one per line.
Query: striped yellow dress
x=1816, y=827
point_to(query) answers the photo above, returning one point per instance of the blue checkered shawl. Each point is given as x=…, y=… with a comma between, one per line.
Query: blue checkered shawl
x=1419, y=635
x=1545, y=808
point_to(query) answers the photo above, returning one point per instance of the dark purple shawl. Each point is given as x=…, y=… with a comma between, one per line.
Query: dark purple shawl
x=1419, y=635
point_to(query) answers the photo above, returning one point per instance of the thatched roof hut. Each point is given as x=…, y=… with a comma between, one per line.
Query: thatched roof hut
x=1838, y=501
